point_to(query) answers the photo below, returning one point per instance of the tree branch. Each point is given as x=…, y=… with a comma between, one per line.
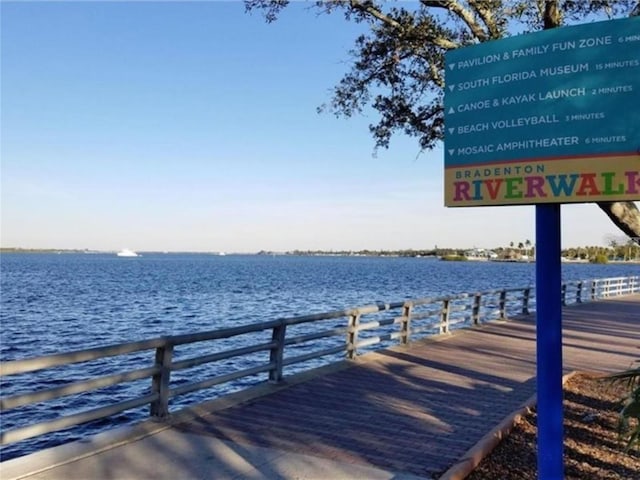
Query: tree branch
x=552, y=17
x=465, y=15
x=368, y=8
x=435, y=75
x=484, y=11
x=625, y=215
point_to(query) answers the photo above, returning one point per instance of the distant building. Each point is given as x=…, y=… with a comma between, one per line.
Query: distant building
x=480, y=254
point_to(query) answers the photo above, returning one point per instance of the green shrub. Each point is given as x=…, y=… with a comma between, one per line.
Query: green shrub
x=600, y=258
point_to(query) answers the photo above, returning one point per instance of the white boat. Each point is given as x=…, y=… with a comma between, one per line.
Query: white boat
x=127, y=253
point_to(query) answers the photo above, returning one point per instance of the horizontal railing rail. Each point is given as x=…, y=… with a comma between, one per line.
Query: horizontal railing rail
x=272, y=346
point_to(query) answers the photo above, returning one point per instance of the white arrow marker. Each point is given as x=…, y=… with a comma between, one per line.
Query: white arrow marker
x=452, y=129
x=451, y=110
x=451, y=87
x=451, y=150
x=452, y=66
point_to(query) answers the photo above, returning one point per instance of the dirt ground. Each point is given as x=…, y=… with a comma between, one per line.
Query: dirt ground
x=593, y=449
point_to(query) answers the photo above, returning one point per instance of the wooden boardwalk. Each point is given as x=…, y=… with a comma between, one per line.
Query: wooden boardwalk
x=411, y=411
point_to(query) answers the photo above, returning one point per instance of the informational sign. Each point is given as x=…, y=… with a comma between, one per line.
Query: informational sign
x=547, y=117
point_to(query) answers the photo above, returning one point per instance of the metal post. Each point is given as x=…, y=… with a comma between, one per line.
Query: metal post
x=525, y=301
x=405, y=326
x=276, y=354
x=549, y=342
x=352, y=335
x=444, y=318
x=502, y=304
x=563, y=294
x=579, y=292
x=475, y=312
x=594, y=289
x=160, y=381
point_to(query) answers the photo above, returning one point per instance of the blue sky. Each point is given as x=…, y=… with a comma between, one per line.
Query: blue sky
x=193, y=127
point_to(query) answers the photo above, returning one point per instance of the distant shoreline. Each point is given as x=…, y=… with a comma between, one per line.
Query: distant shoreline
x=441, y=254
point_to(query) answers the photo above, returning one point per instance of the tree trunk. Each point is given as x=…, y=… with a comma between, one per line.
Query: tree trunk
x=625, y=215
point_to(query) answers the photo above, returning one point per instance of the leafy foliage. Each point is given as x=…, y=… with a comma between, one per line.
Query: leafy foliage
x=600, y=258
x=397, y=67
x=629, y=424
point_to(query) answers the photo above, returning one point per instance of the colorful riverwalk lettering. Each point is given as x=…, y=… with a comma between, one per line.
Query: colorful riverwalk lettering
x=545, y=181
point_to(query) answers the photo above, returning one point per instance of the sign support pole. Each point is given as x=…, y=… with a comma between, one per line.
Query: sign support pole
x=549, y=342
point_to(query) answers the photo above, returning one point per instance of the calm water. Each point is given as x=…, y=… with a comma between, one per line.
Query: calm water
x=55, y=303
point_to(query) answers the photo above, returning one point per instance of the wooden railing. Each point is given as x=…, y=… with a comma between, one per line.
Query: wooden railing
x=282, y=345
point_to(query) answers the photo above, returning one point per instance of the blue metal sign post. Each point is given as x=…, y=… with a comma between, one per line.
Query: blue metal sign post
x=549, y=342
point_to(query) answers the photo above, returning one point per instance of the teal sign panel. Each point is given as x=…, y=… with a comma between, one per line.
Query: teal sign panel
x=571, y=91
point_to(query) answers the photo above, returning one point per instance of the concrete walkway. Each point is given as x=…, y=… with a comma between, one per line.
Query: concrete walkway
x=402, y=413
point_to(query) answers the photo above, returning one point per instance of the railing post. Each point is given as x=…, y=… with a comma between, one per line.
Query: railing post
x=444, y=320
x=502, y=304
x=526, y=294
x=594, y=289
x=352, y=335
x=405, y=325
x=276, y=354
x=475, y=310
x=160, y=381
x=579, y=292
x=563, y=294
